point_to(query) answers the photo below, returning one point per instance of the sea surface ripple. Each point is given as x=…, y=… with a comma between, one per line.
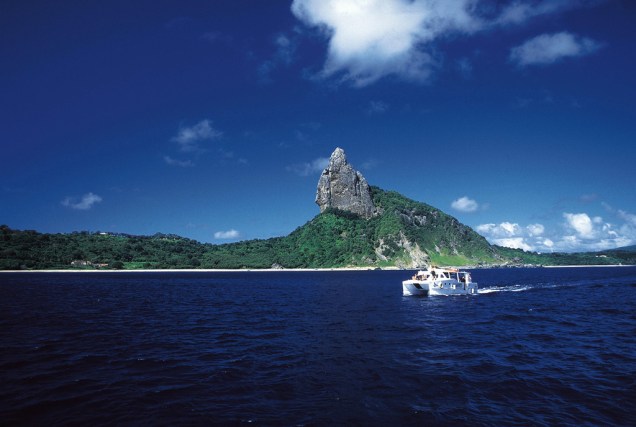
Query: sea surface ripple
x=535, y=347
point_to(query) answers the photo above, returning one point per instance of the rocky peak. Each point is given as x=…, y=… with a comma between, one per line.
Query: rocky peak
x=342, y=187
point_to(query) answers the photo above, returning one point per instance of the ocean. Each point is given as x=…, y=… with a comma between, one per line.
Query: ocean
x=540, y=346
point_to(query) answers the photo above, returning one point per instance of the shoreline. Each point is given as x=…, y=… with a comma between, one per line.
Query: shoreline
x=268, y=270
x=591, y=265
x=207, y=270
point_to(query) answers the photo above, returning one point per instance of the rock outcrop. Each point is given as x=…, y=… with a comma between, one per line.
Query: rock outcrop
x=342, y=187
x=413, y=255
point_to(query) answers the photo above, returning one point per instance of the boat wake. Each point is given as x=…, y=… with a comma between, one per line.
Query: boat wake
x=513, y=288
x=522, y=288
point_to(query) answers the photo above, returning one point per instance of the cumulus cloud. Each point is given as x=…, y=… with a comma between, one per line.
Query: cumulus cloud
x=582, y=224
x=189, y=138
x=464, y=204
x=549, y=48
x=578, y=232
x=229, y=234
x=85, y=203
x=514, y=243
x=503, y=230
x=535, y=229
x=371, y=39
x=592, y=233
x=513, y=235
x=548, y=243
x=309, y=168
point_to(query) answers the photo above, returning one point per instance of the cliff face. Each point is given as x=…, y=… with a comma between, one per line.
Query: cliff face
x=342, y=187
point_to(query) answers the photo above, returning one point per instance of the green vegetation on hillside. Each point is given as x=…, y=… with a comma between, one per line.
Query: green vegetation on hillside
x=338, y=238
x=619, y=256
x=32, y=250
x=442, y=237
x=405, y=233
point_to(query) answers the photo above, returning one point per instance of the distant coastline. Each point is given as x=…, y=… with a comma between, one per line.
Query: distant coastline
x=206, y=270
x=265, y=270
x=591, y=265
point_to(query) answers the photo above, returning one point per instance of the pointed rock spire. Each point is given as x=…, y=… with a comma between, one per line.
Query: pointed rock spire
x=342, y=187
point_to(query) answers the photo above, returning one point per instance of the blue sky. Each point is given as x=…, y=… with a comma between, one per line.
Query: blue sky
x=213, y=120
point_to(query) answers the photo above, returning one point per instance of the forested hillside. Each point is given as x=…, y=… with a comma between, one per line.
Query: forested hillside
x=609, y=257
x=404, y=233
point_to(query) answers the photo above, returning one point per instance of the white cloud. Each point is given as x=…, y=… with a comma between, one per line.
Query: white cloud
x=582, y=224
x=176, y=162
x=580, y=232
x=514, y=243
x=310, y=168
x=535, y=229
x=85, y=203
x=550, y=48
x=464, y=204
x=510, y=228
x=371, y=39
x=189, y=138
x=503, y=230
x=229, y=234
x=512, y=235
x=485, y=229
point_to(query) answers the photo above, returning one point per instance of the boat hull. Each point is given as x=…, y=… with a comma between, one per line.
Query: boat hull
x=445, y=287
x=414, y=287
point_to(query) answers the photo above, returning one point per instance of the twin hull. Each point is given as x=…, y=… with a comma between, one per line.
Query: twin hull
x=438, y=287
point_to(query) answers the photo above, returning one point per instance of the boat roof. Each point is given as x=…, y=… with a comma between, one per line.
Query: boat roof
x=440, y=269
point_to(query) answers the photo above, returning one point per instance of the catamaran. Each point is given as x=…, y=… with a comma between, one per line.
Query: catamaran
x=439, y=281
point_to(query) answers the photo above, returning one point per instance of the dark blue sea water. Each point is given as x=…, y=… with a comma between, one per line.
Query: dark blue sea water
x=536, y=347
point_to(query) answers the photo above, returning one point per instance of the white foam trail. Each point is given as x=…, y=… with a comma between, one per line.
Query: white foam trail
x=516, y=288
x=488, y=291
